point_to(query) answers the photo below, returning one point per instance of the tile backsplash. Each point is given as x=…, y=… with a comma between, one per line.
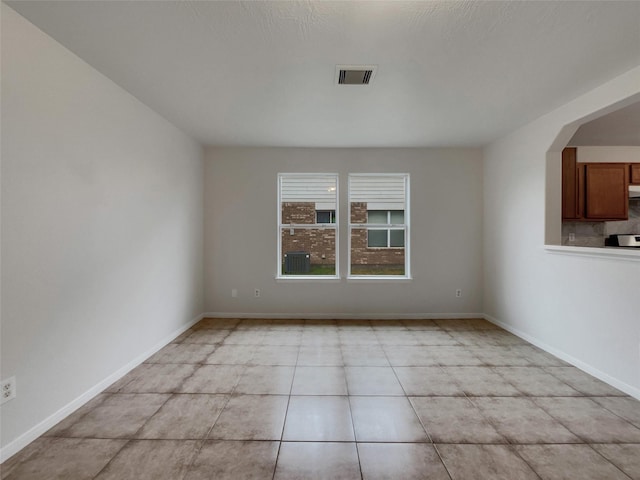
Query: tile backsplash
x=592, y=234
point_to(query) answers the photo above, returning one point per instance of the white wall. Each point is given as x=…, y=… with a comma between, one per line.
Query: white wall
x=608, y=154
x=240, y=232
x=585, y=308
x=101, y=228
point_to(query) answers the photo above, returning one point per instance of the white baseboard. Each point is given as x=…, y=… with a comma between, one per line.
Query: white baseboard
x=614, y=382
x=345, y=316
x=30, y=435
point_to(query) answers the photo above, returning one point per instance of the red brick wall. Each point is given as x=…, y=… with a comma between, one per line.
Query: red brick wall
x=361, y=254
x=317, y=241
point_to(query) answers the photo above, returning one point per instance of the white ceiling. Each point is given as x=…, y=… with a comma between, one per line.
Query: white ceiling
x=619, y=128
x=263, y=73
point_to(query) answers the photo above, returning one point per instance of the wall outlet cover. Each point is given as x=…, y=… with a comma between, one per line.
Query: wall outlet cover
x=8, y=388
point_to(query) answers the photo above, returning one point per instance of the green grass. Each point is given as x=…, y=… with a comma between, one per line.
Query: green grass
x=377, y=269
x=316, y=270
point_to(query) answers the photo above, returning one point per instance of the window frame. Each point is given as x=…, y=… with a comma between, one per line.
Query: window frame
x=405, y=226
x=308, y=226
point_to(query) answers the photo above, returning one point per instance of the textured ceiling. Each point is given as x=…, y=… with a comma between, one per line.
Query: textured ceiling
x=263, y=73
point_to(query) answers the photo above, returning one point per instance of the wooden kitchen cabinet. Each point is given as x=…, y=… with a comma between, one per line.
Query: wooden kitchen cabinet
x=634, y=172
x=606, y=191
x=569, y=185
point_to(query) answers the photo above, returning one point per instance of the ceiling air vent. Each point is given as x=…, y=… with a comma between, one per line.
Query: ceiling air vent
x=355, y=74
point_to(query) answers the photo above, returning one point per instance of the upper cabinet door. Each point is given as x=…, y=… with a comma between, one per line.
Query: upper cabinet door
x=635, y=173
x=607, y=196
x=569, y=185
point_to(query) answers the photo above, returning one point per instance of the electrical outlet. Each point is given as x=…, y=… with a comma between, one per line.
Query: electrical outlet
x=256, y=293
x=8, y=389
x=234, y=292
x=572, y=237
x=458, y=293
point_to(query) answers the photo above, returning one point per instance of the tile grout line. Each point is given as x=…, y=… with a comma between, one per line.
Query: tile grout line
x=286, y=414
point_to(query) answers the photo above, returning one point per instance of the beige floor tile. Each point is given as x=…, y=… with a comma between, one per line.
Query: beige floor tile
x=320, y=356
x=454, y=420
x=231, y=355
x=151, y=460
x=481, y=381
x=218, y=323
x=406, y=461
x=483, y=462
x=565, y=462
x=534, y=381
x=245, y=337
x=500, y=356
x=65, y=459
x=184, y=416
x=625, y=456
x=385, y=419
x=213, y=379
x=410, y=356
x=320, y=338
x=319, y=381
x=364, y=356
x=234, y=460
x=427, y=381
x=286, y=337
x=159, y=378
x=182, y=353
x=357, y=337
x=274, y=355
x=319, y=419
x=625, y=407
x=309, y=460
x=274, y=380
x=520, y=420
x=390, y=324
x=435, y=338
x=453, y=356
x=465, y=324
x=392, y=337
x=583, y=382
x=119, y=416
x=421, y=324
x=61, y=428
x=207, y=335
x=372, y=381
x=251, y=417
x=590, y=421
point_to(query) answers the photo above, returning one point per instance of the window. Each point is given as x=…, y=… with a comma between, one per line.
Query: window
x=325, y=216
x=387, y=238
x=379, y=225
x=307, y=225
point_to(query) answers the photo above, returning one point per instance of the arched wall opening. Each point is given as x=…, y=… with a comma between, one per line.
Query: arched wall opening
x=553, y=177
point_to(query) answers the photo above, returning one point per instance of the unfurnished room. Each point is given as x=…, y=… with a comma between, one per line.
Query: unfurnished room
x=290, y=240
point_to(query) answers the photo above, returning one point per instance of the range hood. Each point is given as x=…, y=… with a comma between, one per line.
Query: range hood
x=634, y=191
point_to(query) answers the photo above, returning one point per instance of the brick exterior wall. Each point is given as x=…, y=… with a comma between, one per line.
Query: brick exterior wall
x=323, y=241
x=317, y=241
x=361, y=254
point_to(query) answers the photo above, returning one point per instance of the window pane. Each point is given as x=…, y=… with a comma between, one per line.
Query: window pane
x=326, y=216
x=377, y=238
x=397, y=217
x=397, y=238
x=377, y=216
x=378, y=199
x=308, y=251
x=306, y=200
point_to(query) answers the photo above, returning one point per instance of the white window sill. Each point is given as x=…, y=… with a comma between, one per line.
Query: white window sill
x=379, y=278
x=308, y=279
x=597, y=252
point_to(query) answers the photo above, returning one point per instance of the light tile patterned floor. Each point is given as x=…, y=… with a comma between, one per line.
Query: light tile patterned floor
x=294, y=399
